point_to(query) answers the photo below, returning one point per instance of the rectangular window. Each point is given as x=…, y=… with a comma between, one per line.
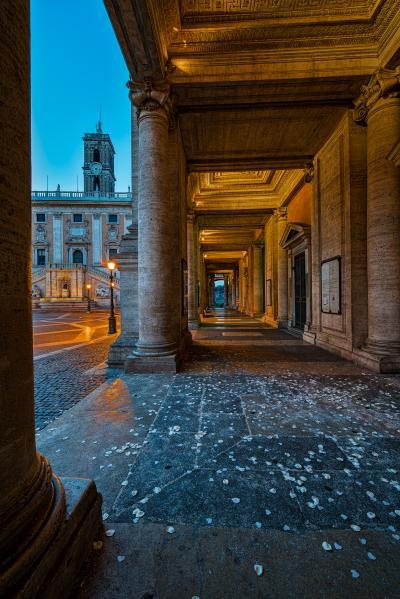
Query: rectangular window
x=113, y=218
x=41, y=257
x=77, y=218
x=40, y=217
x=112, y=252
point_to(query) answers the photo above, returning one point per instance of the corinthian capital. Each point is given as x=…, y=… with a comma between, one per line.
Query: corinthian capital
x=149, y=97
x=384, y=83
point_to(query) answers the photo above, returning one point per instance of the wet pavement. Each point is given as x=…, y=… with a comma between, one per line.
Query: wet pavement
x=70, y=351
x=265, y=456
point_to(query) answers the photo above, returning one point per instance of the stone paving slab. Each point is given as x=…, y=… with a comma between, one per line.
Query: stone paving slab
x=218, y=563
x=247, y=467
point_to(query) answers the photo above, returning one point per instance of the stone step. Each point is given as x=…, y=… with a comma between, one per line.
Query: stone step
x=67, y=305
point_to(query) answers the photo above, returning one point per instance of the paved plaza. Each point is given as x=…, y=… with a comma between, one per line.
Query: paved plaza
x=266, y=468
x=69, y=360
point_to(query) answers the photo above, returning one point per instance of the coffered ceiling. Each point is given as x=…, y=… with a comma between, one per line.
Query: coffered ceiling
x=227, y=39
x=248, y=191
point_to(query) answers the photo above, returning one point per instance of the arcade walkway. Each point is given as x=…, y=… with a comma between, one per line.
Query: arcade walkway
x=263, y=450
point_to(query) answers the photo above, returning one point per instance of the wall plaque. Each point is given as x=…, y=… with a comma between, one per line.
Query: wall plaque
x=331, y=286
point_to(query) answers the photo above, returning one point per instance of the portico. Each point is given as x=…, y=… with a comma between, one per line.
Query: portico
x=265, y=142
x=253, y=163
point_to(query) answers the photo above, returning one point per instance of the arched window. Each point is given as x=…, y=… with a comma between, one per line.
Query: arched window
x=77, y=257
x=96, y=155
x=96, y=184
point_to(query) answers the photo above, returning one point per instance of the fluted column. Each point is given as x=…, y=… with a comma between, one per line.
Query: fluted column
x=379, y=108
x=193, y=322
x=157, y=348
x=32, y=498
x=282, y=280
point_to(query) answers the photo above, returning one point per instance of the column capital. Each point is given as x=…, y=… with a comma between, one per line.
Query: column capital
x=384, y=83
x=308, y=171
x=190, y=216
x=151, y=96
x=280, y=214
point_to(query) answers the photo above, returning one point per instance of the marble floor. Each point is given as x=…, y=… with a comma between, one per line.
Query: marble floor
x=266, y=468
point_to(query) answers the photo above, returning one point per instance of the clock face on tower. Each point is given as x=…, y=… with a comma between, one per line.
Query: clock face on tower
x=96, y=168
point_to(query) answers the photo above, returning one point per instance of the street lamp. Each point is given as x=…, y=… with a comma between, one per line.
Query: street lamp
x=88, y=287
x=112, y=325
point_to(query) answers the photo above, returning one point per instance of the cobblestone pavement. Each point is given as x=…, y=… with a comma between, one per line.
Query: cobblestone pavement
x=263, y=454
x=67, y=365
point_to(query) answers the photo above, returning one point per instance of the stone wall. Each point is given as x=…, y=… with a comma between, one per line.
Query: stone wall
x=299, y=209
x=339, y=230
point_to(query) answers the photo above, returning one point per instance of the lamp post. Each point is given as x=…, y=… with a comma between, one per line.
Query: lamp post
x=112, y=325
x=88, y=287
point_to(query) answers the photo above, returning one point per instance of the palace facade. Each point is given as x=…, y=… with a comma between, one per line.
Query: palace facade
x=75, y=233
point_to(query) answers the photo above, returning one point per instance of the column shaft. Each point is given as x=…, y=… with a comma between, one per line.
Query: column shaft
x=193, y=322
x=383, y=228
x=32, y=498
x=158, y=248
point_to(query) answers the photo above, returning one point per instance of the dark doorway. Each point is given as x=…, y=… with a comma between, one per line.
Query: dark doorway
x=300, y=301
x=77, y=257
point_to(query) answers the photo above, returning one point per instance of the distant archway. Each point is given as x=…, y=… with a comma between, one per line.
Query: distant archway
x=219, y=293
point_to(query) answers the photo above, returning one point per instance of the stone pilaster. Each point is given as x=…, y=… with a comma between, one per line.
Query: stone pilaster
x=193, y=321
x=282, y=279
x=37, y=531
x=158, y=216
x=379, y=108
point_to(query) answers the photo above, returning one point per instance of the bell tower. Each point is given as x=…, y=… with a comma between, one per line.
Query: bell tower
x=98, y=162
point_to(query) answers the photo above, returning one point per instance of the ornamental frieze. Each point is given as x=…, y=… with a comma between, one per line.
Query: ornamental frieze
x=194, y=7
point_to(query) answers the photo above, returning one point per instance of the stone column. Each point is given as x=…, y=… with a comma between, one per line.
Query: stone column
x=36, y=530
x=379, y=107
x=258, y=280
x=211, y=299
x=193, y=322
x=226, y=291
x=233, y=287
x=157, y=349
x=245, y=286
x=282, y=279
x=237, y=288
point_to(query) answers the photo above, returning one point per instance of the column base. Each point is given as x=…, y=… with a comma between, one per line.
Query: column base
x=193, y=325
x=56, y=572
x=383, y=363
x=271, y=322
x=120, y=350
x=152, y=364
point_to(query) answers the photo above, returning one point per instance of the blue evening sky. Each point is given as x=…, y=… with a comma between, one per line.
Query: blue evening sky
x=76, y=66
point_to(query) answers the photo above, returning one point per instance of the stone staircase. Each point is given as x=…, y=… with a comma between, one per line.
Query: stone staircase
x=97, y=277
